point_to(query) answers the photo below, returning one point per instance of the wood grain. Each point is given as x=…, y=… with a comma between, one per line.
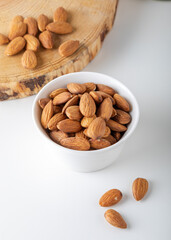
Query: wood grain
x=91, y=20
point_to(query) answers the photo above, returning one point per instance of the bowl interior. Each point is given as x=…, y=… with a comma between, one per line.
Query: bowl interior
x=83, y=77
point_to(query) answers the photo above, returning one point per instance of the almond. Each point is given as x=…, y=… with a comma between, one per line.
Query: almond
x=86, y=133
x=32, y=42
x=42, y=22
x=115, y=126
x=15, y=46
x=139, y=188
x=99, y=143
x=114, y=113
x=57, y=109
x=110, y=198
x=117, y=135
x=46, y=39
x=76, y=88
x=73, y=101
x=3, y=39
x=97, y=128
x=29, y=59
x=69, y=126
x=17, y=19
x=90, y=86
x=76, y=143
x=18, y=29
x=107, y=132
x=122, y=117
x=96, y=96
x=62, y=98
x=105, y=95
x=52, y=124
x=59, y=27
x=115, y=219
x=31, y=25
x=111, y=139
x=80, y=134
x=106, y=89
x=105, y=109
x=60, y=15
x=85, y=122
x=73, y=112
x=57, y=92
x=87, y=105
x=43, y=101
x=121, y=103
x=47, y=113
x=68, y=48
x=57, y=136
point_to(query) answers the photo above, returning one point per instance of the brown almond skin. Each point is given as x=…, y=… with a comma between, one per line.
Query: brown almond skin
x=57, y=92
x=76, y=143
x=57, y=136
x=122, y=117
x=18, y=29
x=43, y=101
x=121, y=103
x=3, y=39
x=32, y=42
x=42, y=22
x=90, y=86
x=73, y=112
x=32, y=27
x=114, y=113
x=80, y=134
x=57, y=109
x=47, y=113
x=73, y=101
x=59, y=27
x=117, y=135
x=46, y=39
x=60, y=15
x=105, y=95
x=115, y=126
x=111, y=139
x=29, y=59
x=99, y=143
x=105, y=109
x=69, y=126
x=85, y=122
x=52, y=124
x=115, y=219
x=62, y=98
x=76, y=88
x=17, y=19
x=96, y=128
x=106, y=89
x=96, y=96
x=87, y=105
x=107, y=132
x=68, y=48
x=139, y=188
x=110, y=198
x=15, y=46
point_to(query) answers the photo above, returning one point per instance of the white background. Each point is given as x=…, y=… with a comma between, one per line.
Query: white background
x=41, y=201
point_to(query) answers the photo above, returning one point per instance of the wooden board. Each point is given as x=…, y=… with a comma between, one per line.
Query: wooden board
x=91, y=20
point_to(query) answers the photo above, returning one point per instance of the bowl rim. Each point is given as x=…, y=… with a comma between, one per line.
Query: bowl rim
x=117, y=144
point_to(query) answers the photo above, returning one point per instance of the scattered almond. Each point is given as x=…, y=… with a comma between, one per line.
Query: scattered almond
x=68, y=48
x=18, y=29
x=42, y=22
x=115, y=219
x=46, y=39
x=60, y=15
x=59, y=27
x=17, y=19
x=15, y=46
x=31, y=25
x=29, y=59
x=3, y=39
x=139, y=188
x=32, y=42
x=110, y=198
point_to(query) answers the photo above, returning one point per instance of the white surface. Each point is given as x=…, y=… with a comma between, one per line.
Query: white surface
x=40, y=201
x=85, y=161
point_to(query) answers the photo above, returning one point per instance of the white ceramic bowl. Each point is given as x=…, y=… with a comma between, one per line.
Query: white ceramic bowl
x=85, y=161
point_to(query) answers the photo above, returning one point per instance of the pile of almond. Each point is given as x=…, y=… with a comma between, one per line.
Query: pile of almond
x=85, y=116
x=30, y=33
x=113, y=196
